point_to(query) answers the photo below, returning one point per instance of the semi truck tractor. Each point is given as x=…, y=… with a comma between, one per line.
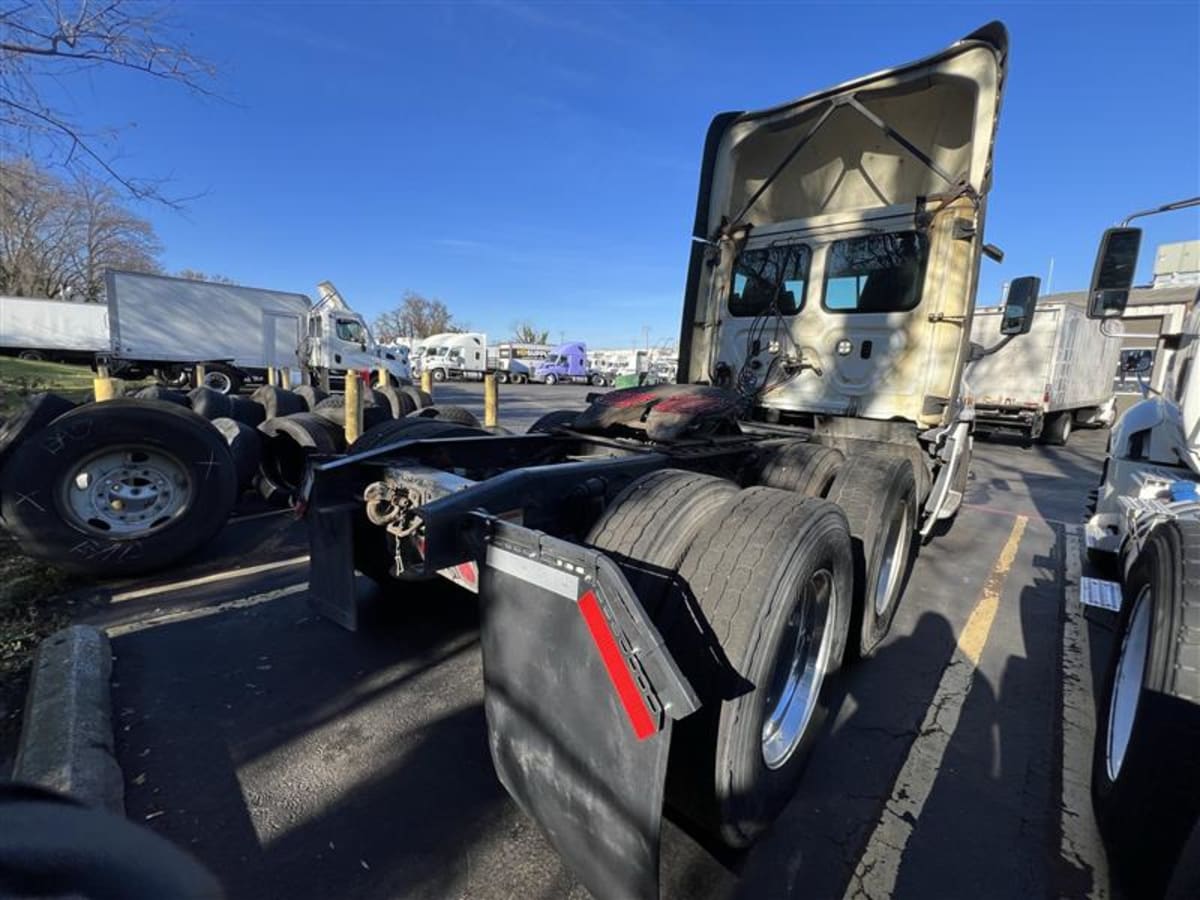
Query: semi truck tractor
x=455, y=356
x=567, y=364
x=1145, y=531
x=1044, y=386
x=671, y=580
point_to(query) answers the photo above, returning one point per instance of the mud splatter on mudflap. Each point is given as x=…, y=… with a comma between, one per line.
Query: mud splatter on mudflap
x=580, y=696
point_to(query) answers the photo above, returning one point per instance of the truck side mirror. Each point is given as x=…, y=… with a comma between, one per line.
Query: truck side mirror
x=1020, y=305
x=1112, y=276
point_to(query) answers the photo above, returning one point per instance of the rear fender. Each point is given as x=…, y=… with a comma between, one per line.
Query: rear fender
x=580, y=694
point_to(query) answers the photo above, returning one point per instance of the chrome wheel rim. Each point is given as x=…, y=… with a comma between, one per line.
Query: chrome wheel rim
x=128, y=492
x=800, y=666
x=899, y=540
x=218, y=381
x=1127, y=686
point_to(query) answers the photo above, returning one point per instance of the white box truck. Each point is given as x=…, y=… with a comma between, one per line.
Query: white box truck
x=1057, y=377
x=56, y=330
x=153, y=324
x=514, y=361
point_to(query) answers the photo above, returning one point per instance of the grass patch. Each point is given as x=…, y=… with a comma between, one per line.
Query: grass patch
x=33, y=605
x=21, y=377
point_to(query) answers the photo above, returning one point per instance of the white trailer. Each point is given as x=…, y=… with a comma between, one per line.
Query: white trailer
x=164, y=324
x=58, y=330
x=1057, y=377
x=515, y=360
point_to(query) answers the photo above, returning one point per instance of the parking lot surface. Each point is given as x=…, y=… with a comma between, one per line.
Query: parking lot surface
x=299, y=760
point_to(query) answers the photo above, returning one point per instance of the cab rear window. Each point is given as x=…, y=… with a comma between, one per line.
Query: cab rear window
x=770, y=277
x=879, y=273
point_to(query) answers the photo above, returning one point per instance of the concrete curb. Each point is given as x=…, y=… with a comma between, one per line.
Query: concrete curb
x=67, y=736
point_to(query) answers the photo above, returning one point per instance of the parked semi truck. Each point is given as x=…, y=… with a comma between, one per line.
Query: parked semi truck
x=152, y=324
x=670, y=580
x=515, y=361
x=567, y=364
x=455, y=355
x=1146, y=530
x=1051, y=381
x=55, y=330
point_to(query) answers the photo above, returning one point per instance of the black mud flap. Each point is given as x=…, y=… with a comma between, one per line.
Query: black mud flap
x=579, y=694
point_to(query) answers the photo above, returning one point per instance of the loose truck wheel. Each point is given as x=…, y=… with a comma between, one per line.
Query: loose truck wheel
x=448, y=414
x=419, y=397
x=119, y=488
x=158, y=392
x=291, y=440
x=310, y=394
x=333, y=410
x=276, y=402
x=808, y=469
x=38, y=411
x=410, y=427
x=771, y=574
x=209, y=403
x=877, y=493
x=551, y=421
x=247, y=411
x=1145, y=782
x=398, y=401
x=245, y=446
x=1057, y=431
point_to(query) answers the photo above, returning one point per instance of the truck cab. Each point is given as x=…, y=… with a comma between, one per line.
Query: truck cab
x=567, y=363
x=455, y=355
x=340, y=341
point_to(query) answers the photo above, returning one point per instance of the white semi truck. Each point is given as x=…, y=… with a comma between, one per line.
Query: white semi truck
x=454, y=355
x=165, y=326
x=672, y=578
x=515, y=361
x=1146, y=531
x=1054, y=379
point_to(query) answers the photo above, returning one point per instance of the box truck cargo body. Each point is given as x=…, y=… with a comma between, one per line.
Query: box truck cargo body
x=57, y=330
x=1058, y=376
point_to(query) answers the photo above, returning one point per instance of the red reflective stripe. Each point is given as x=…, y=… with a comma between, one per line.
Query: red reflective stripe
x=618, y=672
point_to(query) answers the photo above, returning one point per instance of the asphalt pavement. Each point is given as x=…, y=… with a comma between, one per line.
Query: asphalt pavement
x=299, y=760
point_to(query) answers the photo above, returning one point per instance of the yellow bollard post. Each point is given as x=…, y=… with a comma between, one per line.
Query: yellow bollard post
x=199, y=375
x=285, y=379
x=383, y=377
x=104, y=387
x=427, y=382
x=354, y=408
x=491, y=400
x=271, y=376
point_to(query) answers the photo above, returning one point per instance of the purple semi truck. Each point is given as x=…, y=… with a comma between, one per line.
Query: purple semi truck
x=567, y=363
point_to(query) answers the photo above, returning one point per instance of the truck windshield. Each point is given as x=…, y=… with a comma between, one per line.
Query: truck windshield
x=351, y=330
x=757, y=277
x=876, y=273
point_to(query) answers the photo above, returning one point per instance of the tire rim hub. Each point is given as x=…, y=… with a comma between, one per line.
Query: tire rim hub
x=127, y=492
x=795, y=685
x=1127, y=686
x=899, y=540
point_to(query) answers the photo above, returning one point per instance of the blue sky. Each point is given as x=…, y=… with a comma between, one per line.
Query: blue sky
x=539, y=160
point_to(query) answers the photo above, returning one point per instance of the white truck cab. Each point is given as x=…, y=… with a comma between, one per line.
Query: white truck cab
x=340, y=340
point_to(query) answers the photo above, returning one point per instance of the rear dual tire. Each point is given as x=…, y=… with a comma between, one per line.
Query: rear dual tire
x=751, y=592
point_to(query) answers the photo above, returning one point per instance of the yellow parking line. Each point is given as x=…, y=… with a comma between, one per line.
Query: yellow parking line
x=975, y=633
x=879, y=866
